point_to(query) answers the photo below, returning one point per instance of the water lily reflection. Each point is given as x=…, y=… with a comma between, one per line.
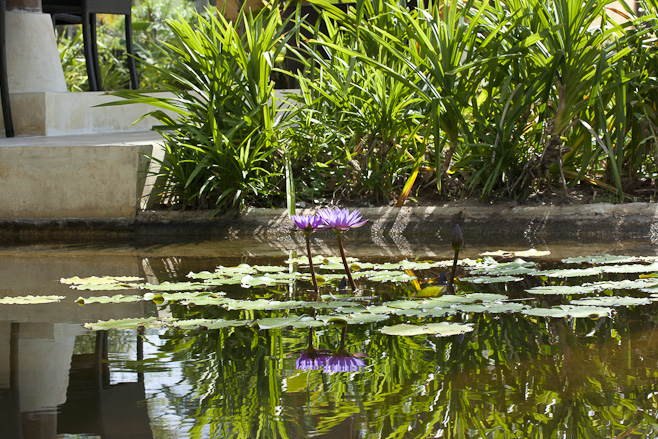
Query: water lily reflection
x=342, y=360
x=311, y=358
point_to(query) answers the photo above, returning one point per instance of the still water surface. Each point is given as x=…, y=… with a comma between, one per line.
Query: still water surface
x=513, y=376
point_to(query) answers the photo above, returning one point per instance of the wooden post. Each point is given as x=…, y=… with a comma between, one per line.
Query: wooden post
x=232, y=7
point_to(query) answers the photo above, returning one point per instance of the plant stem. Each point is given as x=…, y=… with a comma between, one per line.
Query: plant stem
x=342, y=255
x=310, y=262
x=454, y=269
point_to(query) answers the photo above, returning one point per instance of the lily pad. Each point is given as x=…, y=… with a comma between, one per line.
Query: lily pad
x=365, y=317
x=571, y=272
x=632, y=268
x=119, y=298
x=601, y=259
x=575, y=311
x=175, y=286
x=562, y=289
x=431, y=291
x=625, y=284
x=442, y=329
x=150, y=322
x=262, y=304
x=99, y=280
x=490, y=279
x=29, y=300
x=208, y=323
x=277, y=322
x=237, y=270
x=270, y=268
x=255, y=281
x=531, y=253
x=486, y=297
x=427, y=312
x=491, y=308
x=612, y=301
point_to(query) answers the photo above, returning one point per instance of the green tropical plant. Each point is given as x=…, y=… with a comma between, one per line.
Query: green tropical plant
x=219, y=122
x=355, y=124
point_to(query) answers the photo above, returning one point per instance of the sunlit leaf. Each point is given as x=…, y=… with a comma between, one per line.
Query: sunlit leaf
x=262, y=304
x=426, y=312
x=490, y=279
x=203, y=300
x=631, y=268
x=624, y=284
x=612, y=301
x=182, y=296
x=100, y=280
x=491, y=307
x=421, y=265
x=606, y=259
x=106, y=287
x=330, y=305
x=206, y=275
x=531, y=253
x=331, y=266
x=150, y=322
x=119, y=298
x=365, y=317
x=574, y=311
x=222, y=281
x=277, y=322
x=270, y=269
x=254, y=281
x=208, y=323
x=241, y=269
x=431, y=291
x=176, y=286
x=442, y=329
x=392, y=277
x=486, y=297
x=562, y=289
x=571, y=272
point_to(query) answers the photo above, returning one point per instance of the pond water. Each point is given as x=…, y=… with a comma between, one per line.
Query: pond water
x=250, y=351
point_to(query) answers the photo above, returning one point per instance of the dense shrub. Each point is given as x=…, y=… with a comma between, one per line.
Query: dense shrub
x=457, y=98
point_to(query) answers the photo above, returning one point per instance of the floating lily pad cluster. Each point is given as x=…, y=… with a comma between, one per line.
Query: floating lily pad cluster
x=595, y=299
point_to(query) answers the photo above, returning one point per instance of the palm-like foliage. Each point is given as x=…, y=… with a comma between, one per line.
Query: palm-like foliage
x=222, y=144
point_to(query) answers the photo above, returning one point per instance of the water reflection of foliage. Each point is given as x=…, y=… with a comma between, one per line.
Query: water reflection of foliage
x=512, y=376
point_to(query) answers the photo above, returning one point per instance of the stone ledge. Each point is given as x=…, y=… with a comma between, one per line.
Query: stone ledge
x=637, y=221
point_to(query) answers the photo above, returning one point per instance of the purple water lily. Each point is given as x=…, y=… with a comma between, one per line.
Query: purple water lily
x=308, y=224
x=341, y=220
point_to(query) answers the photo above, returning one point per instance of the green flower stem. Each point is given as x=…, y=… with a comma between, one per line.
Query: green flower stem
x=342, y=255
x=454, y=268
x=310, y=262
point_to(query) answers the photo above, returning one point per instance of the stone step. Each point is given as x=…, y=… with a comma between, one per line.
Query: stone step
x=102, y=175
x=57, y=114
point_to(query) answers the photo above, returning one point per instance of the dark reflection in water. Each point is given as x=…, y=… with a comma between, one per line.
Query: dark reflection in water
x=513, y=376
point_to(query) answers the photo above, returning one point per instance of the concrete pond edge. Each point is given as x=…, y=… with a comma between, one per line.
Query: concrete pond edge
x=609, y=221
